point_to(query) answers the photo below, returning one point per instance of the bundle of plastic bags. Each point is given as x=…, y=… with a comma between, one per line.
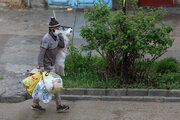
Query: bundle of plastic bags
x=42, y=86
x=49, y=84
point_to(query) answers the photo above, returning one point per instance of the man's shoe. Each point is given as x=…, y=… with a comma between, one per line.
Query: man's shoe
x=62, y=108
x=38, y=108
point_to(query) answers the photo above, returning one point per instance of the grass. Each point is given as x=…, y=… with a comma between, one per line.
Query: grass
x=88, y=80
x=86, y=73
x=163, y=82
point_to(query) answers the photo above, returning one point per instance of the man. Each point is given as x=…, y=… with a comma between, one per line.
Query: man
x=47, y=57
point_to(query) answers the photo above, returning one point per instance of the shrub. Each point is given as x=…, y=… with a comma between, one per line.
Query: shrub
x=86, y=71
x=167, y=65
x=168, y=81
x=87, y=74
x=77, y=63
x=124, y=40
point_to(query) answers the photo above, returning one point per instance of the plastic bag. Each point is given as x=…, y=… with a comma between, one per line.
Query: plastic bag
x=41, y=93
x=30, y=82
x=53, y=82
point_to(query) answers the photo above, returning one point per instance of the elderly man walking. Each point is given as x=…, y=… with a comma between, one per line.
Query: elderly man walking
x=47, y=57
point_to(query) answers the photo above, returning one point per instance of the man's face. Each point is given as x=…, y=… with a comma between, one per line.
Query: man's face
x=57, y=28
x=54, y=29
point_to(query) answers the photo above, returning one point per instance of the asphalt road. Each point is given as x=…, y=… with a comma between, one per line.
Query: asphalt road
x=93, y=110
x=20, y=34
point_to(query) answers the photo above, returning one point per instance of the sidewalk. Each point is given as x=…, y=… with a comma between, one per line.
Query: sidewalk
x=20, y=34
x=93, y=110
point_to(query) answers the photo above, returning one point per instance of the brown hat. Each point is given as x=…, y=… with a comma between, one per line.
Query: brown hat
x=53, y=23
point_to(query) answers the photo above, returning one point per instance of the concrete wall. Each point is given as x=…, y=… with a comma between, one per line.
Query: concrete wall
x=116, y=4
x=38, y=3
x=177, y=2
x=34, y=3
x=41, y=3
x=12, y=2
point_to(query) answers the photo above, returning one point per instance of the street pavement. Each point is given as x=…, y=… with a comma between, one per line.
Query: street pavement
x=20, y=34
x=93, y=110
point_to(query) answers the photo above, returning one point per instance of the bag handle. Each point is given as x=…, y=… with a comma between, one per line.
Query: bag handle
x=47, y=74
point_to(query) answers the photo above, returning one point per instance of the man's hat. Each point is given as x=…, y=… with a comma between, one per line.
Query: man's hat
x=53, y=23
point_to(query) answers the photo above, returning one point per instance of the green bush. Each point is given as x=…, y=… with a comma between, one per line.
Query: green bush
x=86, y=72
x=83, y=71
x=168, y=81
x=167, y=65
x=76, y=63
x=124, y=39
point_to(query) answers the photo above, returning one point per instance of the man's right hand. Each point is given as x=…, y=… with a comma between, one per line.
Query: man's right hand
x=41, y=70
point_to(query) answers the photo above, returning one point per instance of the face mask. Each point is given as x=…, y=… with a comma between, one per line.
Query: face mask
x=56, y=33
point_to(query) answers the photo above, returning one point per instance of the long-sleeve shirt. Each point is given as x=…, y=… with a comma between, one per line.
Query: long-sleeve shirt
x=48, y=50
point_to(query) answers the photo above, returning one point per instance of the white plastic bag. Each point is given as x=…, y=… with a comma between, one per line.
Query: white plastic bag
x=53, y=82
x=40, y=92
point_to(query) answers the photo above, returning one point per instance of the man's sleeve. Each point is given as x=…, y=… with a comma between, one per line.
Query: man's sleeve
x=61, y=41
x=44, y=43
x=41, y=58
x=43, y=47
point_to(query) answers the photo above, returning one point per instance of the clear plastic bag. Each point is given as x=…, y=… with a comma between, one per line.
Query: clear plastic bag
x=53, y=82
x=40, y=92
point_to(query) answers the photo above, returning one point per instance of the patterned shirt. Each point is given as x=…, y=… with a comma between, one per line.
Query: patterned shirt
x=48, y=50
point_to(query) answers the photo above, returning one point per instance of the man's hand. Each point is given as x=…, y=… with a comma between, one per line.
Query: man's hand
x=41, y=70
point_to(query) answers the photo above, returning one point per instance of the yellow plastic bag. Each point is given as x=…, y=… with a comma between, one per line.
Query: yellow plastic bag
x=30, y=82
x=53, y=82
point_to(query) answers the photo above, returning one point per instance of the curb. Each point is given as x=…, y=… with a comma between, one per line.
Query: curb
x=16, y=99
x=141, y=95
x=121, y=92
x=11, y=99
x=121, y=98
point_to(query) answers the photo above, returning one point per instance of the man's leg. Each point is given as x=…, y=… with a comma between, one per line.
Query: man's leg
x=60, y=107
x=58, y=98
x=36, y=106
